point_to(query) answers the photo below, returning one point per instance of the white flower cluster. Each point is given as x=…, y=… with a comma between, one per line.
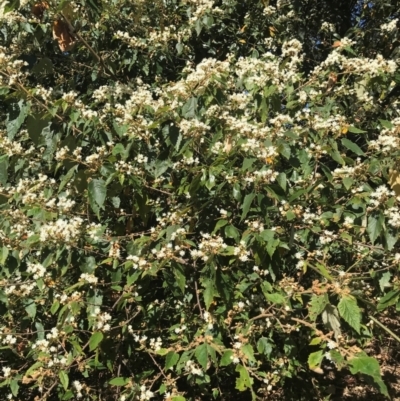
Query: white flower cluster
x=327, y=27
x=89, y=278
x=36, y=269
x=102, y=319
x=155, y=343
x=145, y=394
x=393, y=215
x=209, y=245
x=380, y=195
x=207, y=71
x=192, y=368
x=138, y=262
x=61, y=230
x=241, y=252
x=209, y=320
x=390, y=26
x=327, y=237
x=78, y=388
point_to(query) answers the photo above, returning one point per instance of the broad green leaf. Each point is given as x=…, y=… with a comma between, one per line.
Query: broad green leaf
x=232, y=232
x=317, y=306
x=275, y=298
x=14, y=125
x=355, y=130
x=201, y=354
x=314, y=359
x=248, y=199
x=97, y=194
x=389, y=299
x=368, y=366
x=189, y=108
x=14, y=387
x=243, y=382
x=119, y=381
x=95, y=340
x=3, y=169
x=384, y=281
x=226, y=358
x=208, y=293
x=264, y=346
x=30, y=307
x=375, y=225
x=220, y=223
x=171, y=360
x=248, y=351
x=352, y=146
x=64, y=379
x=350, y=312
x=330, y=317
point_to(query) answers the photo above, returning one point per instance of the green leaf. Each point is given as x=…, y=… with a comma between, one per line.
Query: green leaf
x=352, y=146
x=275, y=298
x=243, y=382
x=314, y=359
x=119, y=381
x=33, y=368
x=4, y=255
x=264, y=346
x=30, y=307
x=350, y=312
x=97, y=194
x=178, y=398
x=248, y=163
x=189, y=108
x=368, y=366
x=14, y=387
x=375, y=225
x=281, y=180
x=220, y=223
x=171, y=360
x=388, y=300
x=208, y=293
x=226, y=358
x=64, y=379
x=13, y=126
x=95, y=340
x=317, y=306
x=348, y=182
x=3, y=169
x=67, y=177
x=330, y=318
x=248, y=199
x=248, y=351
x=384, y=281
x=201, y=354
x=232, y=232
x=355, y=130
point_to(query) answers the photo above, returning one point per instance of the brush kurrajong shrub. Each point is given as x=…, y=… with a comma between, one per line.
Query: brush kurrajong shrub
x=196, y=197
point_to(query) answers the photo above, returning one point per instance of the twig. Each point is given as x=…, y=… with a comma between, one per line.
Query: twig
x=198, y=299
x=158, y=366
x=384, y=328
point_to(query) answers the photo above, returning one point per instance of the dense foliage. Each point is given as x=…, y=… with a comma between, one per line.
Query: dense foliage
x=199, y=199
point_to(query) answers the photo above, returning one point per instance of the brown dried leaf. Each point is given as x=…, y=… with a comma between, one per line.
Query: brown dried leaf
x=38, y=9
x=61, y=32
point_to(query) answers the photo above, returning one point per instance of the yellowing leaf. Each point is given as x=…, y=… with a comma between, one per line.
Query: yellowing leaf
x=272, y=31
x=394, y=181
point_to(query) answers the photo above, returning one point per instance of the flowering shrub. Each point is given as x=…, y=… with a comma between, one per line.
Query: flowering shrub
x=199, y=199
